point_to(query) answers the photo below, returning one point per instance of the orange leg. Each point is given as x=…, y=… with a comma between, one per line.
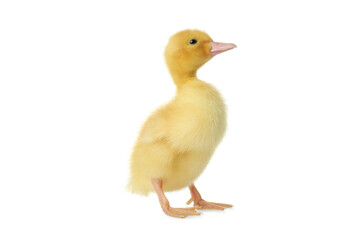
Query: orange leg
x=200, y=203
x=164, y=203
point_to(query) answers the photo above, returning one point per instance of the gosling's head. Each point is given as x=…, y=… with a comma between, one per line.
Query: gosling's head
x=188, y=50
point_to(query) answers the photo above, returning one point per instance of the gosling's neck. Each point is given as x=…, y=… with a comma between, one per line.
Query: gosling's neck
x=180, y=76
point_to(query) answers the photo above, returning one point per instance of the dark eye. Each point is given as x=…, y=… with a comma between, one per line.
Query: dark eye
x=193, y=41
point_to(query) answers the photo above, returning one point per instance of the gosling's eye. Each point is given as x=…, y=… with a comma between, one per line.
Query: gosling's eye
x=193, y=41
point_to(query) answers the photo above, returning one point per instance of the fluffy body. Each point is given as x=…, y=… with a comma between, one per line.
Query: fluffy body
x=178, y=140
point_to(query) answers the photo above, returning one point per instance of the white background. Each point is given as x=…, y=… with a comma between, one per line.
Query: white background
x=78, y=78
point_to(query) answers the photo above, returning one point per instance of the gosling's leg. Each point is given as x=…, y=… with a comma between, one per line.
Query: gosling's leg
x=164, y=203
x=200, y=203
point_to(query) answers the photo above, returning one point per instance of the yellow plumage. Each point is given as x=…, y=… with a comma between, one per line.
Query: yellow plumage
x=177, y=141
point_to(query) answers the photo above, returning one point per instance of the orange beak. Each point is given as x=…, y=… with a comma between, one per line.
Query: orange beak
x=218, y=47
